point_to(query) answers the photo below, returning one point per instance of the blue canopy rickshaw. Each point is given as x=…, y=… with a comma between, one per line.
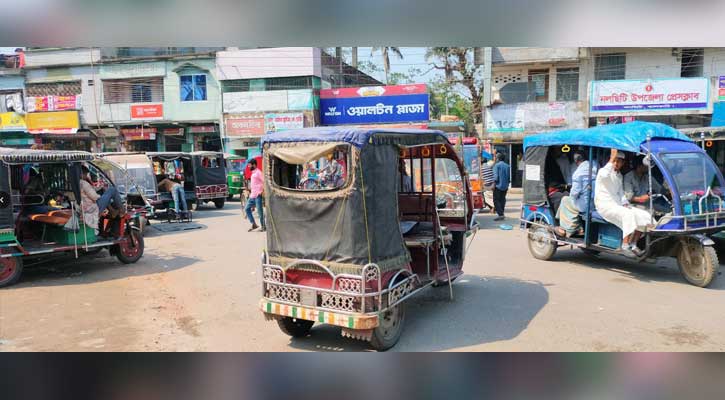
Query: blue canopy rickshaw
x=689, y=209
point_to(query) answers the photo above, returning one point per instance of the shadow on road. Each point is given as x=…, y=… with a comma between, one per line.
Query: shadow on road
x=66, y=270
x=485, y=310
x=665, y=270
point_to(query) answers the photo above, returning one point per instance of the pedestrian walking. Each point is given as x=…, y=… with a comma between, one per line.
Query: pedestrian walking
x=256, y=183
x=502, y=177
x=488, y=182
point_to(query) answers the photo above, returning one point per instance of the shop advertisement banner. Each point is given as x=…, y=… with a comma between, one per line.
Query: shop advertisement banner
x=375, y=110
x=505, y=118
x=202, y=129
x=649, y=95
x=374, y=91
x=10, y=121
x=53, y=103
x=244, y=126
x=53, y=122
x=147, y=111
x=283, y=121
x=721, y=88
x=173, y=131
x=240, y=102
x=131, y=134
x=535, y=117
x=302, y=99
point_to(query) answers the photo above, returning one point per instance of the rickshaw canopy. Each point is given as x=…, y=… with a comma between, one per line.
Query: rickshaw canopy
x=625, y=137
x=20, y=156
x=356, y=136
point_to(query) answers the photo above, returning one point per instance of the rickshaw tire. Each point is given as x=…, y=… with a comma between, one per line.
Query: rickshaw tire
x=379, y=341
x=296, y=328
x=14, y=277
x=710, y=268
x=130, y=260
x=546, y=253
x=219, y=203
x=230, y=197
x=194, y=205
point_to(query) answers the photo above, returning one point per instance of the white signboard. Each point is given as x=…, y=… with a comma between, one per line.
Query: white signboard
x=505, y=118
x=648, y=96
x=239, y=102
x=533, y=172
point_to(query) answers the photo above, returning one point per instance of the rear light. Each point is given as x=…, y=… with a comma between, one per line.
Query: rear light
x=533, y=208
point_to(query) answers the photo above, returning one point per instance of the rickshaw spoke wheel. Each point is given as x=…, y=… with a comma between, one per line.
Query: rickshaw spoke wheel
x=541, y=243
x=130, y=249
x=390, y=328
x=10, y=270
x=698, y=263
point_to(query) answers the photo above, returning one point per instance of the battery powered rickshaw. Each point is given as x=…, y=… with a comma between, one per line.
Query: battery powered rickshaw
x=235, y=175
x=202, y=174
x=351, y=253
x=684, y=200
x=40, y=216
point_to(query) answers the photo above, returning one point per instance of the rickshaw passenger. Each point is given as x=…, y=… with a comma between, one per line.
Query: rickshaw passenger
x=93, y=203
x=636, y=185
x=613, y=206
x=565, y=165
x=35, y=194
x=556, y=192
x=570, y=221
x=407, y=182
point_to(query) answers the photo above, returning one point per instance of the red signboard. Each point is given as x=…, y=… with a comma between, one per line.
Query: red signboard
x=369, y=91
x=202, y=129
x=241, y=126
x=147, y=111
x=139, y=133
x=173, y=131
x=61, y=103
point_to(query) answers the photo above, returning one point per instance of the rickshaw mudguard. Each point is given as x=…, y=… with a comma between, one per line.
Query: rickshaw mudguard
x=703, y=239
x=361, y=321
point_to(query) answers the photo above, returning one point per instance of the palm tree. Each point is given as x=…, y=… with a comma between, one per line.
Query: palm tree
x=385, y=51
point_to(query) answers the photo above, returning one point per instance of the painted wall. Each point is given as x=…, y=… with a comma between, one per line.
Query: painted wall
x=269, y=63
x=91, y=92
x=60, y=57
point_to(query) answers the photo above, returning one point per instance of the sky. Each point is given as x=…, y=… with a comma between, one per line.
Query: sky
x=413, y=57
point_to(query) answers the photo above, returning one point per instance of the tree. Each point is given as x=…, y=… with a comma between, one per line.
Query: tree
x=446, y=100
x=385, y=51
x=461, y=74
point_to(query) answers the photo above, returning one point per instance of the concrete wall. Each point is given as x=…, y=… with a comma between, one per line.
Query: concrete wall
x=528, y=55
x=269, y=63
x=64, y=56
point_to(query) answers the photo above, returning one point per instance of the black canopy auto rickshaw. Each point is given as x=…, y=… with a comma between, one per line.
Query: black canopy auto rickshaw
x=351, y=251
x=202, y=174
x=40, y=212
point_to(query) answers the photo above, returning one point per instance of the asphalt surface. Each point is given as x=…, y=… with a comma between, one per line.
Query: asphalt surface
x=199, y=290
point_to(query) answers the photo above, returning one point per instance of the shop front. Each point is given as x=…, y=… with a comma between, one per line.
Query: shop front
x=13, y=131
x=139, y=138
x=243, y=133
x=205, y=137
x=506, y=125
x=59, y=130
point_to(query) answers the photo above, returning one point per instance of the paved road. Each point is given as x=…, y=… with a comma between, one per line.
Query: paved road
x=199, y=290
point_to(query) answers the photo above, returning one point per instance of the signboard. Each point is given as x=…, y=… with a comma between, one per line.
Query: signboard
x=131, y=134
x=53, y=122
x=721, y=88
x=53, y=103
x=202, y=129
x=244, y=126
x=10, y=121
x=374, y=91
x=283, y=121
x=173, y=131
x=505, y=118
x=239, y=102
x=649, y=96
x=147, y=111
x=516, y=119
x=374, y=110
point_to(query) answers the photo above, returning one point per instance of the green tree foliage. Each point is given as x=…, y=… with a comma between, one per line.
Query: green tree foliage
x=386, y=52
x=461, y=80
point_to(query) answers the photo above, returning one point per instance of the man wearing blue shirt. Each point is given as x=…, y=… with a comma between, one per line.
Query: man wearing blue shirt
x=502, y=178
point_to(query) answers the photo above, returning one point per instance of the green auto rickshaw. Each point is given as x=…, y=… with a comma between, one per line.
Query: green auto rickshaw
x=235, y=174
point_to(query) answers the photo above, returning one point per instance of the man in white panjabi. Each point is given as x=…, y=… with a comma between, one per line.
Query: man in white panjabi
x=613, y=206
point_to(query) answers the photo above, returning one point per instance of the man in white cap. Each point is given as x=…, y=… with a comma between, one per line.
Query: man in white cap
x=613, y=206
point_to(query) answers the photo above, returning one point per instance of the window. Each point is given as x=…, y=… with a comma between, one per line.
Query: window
x=311, y=168
x=53, y=89
x=540, y=78
x=609, y=66
x=192, y=87
x=135, y=90
x=285, y=83
x=450, y=194
x=692, y=63
x=567, y=84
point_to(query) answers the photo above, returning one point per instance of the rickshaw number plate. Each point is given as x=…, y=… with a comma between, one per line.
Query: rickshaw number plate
x=308, y=297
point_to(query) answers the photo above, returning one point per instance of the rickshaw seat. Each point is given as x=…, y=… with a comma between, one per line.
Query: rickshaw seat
x=52, y=217
x=596, y=217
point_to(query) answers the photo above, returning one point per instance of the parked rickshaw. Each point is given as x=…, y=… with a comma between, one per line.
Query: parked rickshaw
x=134, y=177
x=235, y=174
x=350, y=255
x=684, y=210
x=202, y=174
x=471, y=154
x=39, y=212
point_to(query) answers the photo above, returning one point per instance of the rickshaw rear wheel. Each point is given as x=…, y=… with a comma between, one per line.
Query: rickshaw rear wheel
x=297, y=328
x=10, y=270
x=219, y=203
x=390, y=328
x=541, y=243
x=701, y=269
x=128, y=253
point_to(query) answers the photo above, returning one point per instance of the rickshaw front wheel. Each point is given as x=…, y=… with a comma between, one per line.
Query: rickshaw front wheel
x=10, y=270
x=294, y=327
x=541, y=243
x=130, y=249
x=390, y=328
x=698, y=263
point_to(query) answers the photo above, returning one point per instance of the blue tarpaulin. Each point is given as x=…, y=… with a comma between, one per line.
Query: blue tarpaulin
x=355, y=136
x=718, y=114
x=625, y=137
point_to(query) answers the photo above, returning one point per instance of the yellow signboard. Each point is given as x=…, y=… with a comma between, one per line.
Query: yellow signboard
x=53, y=122
x=10, y=121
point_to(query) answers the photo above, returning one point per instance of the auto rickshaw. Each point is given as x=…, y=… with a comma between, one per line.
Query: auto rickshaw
x=351, y=254
x=235, y=174
x=134, y=177
x=40, y=214
x=202, y=174
x=685, y=196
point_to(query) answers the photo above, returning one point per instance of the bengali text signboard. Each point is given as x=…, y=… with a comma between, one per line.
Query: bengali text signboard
x=647, y=96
